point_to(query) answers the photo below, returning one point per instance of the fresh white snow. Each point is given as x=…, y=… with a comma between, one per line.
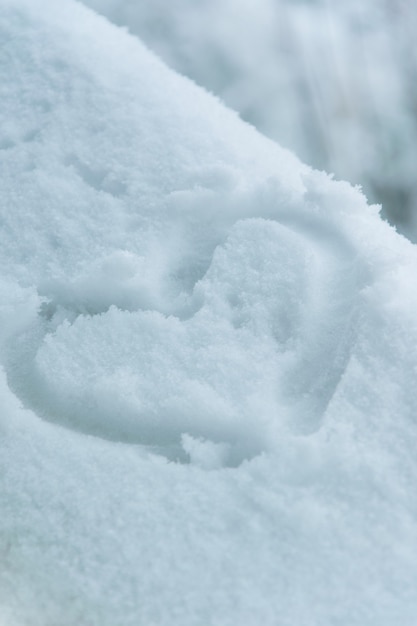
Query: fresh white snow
x=208, y=356
x=331, y=79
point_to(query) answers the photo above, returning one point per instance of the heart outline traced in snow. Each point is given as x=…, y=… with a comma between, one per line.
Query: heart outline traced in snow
x=245, y=355
x=186, y=287
x=133, y=201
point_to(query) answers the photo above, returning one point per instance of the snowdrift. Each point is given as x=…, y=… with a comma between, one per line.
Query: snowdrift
x=208, y=352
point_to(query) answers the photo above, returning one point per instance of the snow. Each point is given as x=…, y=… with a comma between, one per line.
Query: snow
x=332, y=80
x=208, y=362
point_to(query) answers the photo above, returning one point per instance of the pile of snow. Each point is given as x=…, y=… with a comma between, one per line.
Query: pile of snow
x=331, y=79
x=208, y=356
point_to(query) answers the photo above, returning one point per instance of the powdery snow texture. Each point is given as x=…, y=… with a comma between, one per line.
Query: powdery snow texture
x=331, y=79
x=207, y=404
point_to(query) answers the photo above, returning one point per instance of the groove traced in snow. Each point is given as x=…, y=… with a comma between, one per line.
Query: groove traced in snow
x=305, y=330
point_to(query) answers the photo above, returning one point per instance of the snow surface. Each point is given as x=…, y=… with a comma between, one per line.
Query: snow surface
x=208, y=356
x=333, y=80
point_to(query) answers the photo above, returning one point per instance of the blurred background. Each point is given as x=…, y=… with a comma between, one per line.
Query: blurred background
x=333, y=80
